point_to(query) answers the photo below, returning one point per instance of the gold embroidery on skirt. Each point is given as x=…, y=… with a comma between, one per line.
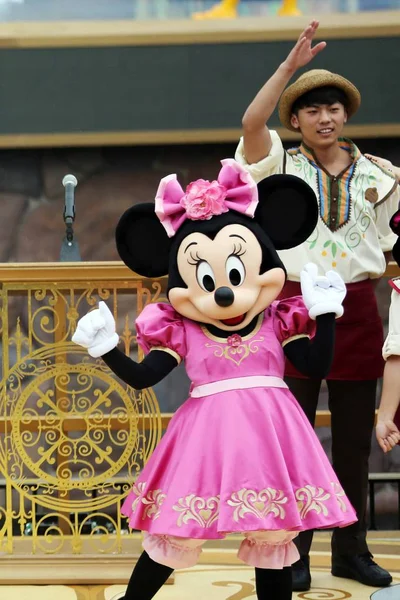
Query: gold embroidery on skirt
x=194, y=508
x=312, y=498
x=259, y=504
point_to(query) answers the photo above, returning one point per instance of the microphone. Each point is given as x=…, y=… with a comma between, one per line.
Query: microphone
x=69, y=182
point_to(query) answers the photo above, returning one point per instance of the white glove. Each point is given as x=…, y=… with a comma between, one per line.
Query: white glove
x=96, y=331
x=322, y=294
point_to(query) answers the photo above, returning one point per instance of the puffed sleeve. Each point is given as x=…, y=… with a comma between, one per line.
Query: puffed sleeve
x=384, y=212
x=392, y=343
x=292, y=321
x=160, y=327
x=270, y=165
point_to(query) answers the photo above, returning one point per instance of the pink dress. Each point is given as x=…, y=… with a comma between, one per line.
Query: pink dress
x=237, y=456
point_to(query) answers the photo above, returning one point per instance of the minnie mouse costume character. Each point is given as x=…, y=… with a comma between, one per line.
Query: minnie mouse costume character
x=239, y=455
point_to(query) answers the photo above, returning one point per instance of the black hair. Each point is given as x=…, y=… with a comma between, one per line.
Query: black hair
x=327, y=94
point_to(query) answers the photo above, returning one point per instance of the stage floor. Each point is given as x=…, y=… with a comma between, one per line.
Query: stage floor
x=58, y=10
x=221, y=576
x=211, y=583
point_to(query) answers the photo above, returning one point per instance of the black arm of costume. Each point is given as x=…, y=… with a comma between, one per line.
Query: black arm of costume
x=155, y=366
x=313, y=358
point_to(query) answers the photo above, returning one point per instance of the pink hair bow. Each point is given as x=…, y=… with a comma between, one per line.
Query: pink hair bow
x=234, y=190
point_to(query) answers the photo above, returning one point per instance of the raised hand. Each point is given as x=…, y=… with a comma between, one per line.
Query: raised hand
x=322, y=294
x=96, y=331
x=303, y=52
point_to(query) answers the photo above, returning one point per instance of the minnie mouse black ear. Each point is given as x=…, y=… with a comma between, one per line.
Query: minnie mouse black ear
x=142, y=241
x=287, y=210
x=394, y=225
x=396, y=251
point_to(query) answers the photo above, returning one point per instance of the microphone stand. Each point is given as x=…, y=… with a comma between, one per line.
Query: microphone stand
x=69, y=247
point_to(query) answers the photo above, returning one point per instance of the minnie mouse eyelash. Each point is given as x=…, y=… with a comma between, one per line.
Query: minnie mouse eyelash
x=238, y=251
x=196, y=259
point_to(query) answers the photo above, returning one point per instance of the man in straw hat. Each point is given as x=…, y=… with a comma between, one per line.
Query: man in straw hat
x=356, y=200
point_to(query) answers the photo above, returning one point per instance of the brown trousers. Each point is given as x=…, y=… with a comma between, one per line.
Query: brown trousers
x=352, y=406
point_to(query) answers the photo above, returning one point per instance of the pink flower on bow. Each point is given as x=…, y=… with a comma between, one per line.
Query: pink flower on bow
x=203, y=200
x=234, y=190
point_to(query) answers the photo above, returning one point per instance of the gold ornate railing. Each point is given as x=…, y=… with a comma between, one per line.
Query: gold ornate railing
x=73, y=437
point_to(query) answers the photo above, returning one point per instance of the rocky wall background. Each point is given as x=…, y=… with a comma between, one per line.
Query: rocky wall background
x=111, y=180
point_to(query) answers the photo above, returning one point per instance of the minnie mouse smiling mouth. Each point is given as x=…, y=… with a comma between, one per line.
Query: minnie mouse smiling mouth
x=234, y=320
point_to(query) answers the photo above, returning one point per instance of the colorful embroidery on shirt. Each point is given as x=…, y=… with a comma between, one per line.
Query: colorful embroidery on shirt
x=334, y=192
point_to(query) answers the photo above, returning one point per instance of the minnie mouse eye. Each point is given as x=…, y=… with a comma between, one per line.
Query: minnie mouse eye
x=205, y=276
x=235, y=270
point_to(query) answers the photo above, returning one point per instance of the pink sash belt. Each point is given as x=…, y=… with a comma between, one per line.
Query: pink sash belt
x=237, y=383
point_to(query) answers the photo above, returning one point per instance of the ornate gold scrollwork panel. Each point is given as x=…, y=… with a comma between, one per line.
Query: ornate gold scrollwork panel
x=73, y=437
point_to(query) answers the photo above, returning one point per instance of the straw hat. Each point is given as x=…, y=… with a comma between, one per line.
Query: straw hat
x=314, y=79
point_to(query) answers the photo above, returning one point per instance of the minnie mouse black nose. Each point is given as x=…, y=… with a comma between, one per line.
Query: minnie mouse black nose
x=224, y=296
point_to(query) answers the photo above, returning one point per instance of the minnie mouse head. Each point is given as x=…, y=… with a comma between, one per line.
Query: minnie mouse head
x=218, y=242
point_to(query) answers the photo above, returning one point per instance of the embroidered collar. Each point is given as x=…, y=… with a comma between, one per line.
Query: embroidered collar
x=344, y=143
x=333, y=191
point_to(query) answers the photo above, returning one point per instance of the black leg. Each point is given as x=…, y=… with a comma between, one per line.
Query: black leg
x=372, y=523
x=274, y=584
x=352, y=405
x=147, y=579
